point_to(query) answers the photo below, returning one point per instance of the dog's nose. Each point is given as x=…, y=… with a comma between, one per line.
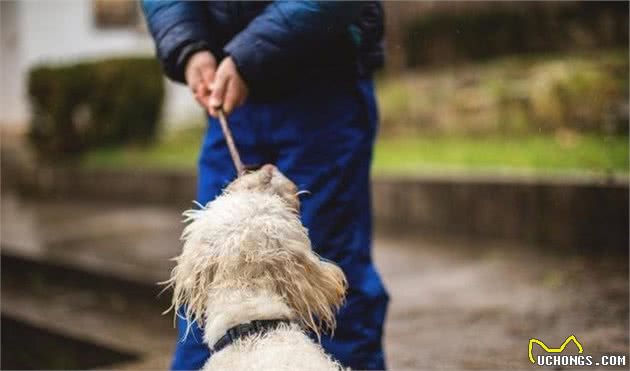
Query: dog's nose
x=267, y=173
x=269, y=168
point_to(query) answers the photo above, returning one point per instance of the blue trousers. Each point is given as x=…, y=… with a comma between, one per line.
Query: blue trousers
x=321, y=139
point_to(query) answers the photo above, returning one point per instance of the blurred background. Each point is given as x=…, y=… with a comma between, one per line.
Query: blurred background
x=500, y=182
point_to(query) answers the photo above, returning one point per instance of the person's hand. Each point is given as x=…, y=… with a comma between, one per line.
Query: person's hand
x=228, y=89
x=200, y=73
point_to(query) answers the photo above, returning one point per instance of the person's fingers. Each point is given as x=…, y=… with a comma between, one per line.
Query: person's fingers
x=192, y=80
x=218, y=92
x=201, y=95
x=231, y=96
x=199, y=100
x=197, y=86
x=236, y=94
x=207, y=76
x=243, y=95
x=199, y=74
x=202, y=88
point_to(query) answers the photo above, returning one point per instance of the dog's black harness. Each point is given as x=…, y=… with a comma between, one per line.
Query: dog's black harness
x=246, y=329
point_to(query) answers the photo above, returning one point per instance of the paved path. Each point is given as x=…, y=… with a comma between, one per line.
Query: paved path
x=458, y=305
x=455, y=304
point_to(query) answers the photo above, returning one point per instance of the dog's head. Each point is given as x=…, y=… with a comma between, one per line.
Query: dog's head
x=251, y=238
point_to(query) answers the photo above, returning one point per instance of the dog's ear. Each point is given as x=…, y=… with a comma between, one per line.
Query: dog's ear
x=190, y=280
x=195, y=269
x=313, y=288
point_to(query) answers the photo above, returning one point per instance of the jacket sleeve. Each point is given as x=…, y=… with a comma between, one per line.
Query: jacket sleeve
x=174, y=26
x=287, y=31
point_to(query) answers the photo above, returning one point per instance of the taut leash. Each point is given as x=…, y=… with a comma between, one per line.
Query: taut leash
x=236, y=158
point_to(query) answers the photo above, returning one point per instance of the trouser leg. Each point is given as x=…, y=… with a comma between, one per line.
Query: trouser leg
x=325, y=140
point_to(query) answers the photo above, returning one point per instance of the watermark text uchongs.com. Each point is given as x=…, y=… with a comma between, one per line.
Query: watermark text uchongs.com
x=580, y=360
x=553, y=358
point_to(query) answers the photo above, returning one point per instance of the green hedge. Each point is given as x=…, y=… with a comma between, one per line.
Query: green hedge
x=577, y=92
x=446, y=38
x=93, y=104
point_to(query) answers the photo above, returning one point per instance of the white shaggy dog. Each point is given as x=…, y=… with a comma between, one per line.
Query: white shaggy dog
x=247, y=257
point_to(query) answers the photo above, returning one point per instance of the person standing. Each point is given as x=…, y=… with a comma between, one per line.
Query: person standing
x=296, y=79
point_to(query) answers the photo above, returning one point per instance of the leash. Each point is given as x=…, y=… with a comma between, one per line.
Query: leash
x=227, y=133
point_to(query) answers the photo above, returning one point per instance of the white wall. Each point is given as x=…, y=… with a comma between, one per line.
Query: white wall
x=43, y=31
x=11, y=102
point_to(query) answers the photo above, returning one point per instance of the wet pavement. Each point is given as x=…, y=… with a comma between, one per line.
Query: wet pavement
x=458, y=305
x=455, y=304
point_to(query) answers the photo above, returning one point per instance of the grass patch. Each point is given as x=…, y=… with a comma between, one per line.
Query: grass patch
x=177, y=150
x=568, y=152
x=539, y=154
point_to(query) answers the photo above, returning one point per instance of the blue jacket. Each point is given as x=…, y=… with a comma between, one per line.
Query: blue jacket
x=277, y=46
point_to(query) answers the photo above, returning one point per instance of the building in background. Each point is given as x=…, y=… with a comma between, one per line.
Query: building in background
x=35, y=32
